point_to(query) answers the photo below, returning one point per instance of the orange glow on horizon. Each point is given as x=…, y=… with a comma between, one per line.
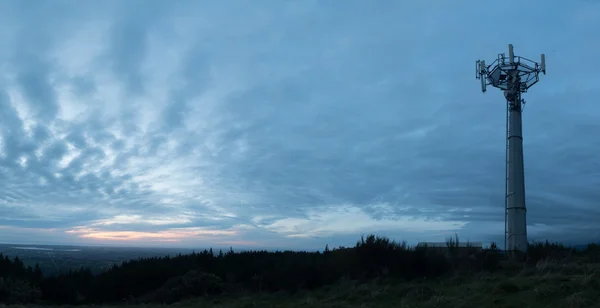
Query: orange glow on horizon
x=171, y=235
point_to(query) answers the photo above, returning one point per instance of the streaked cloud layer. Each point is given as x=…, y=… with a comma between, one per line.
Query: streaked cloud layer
x=288, y=123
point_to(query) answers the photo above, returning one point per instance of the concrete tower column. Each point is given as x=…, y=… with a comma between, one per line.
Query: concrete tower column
x=515, y=205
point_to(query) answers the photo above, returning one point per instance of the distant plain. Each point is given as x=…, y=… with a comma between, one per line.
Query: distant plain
x=54, y=259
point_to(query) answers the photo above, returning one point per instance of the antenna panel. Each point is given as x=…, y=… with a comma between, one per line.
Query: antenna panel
x=511, y=54
x=483, y=85
x=543, y=65
x=482, y=74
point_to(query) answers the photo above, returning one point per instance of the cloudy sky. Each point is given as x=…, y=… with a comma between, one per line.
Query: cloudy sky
x=289, y=123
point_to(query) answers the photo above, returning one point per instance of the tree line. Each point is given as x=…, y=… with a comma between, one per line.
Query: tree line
x=169, y=279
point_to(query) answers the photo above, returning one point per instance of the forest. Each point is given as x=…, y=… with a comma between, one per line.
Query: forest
x=211, y=273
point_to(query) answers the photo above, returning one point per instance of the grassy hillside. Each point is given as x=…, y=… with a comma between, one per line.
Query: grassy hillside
x=554, y=286
x=376, y=272
x=546, y=285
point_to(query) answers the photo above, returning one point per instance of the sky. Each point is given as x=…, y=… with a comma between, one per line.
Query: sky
x=289, y=124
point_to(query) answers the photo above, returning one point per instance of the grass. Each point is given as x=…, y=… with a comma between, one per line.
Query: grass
x=545, y=285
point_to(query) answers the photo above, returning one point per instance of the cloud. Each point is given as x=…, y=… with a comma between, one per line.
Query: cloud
x=327, y=222
x=287, y=124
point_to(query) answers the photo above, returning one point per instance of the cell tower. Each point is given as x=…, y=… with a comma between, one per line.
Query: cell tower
x=514, y=75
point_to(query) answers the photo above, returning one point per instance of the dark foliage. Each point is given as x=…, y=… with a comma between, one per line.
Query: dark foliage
x=193, y=283
x=68, y=288
x=169, y=279
x=556, y=252
x=18, y=284
x=592, y=252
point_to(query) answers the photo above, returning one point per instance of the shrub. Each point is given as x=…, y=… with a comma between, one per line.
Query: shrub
x=193, y=283
x=592, y=252
x=18, y=292
x=555, y=252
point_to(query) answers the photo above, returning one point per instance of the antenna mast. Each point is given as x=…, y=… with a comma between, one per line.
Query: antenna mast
x=514, y=75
